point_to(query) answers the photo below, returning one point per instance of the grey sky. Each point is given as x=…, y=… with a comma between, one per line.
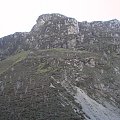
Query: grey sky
x=21, y=15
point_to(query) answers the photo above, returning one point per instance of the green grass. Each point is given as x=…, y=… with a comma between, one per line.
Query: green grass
x=44, y=68
x=63, y=50
x=66, y=53
x=12, y=60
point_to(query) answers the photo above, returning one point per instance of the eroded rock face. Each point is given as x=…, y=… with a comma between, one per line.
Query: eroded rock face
x=58, y=23
x=55, y=30
x=100, y=36
x=11, y=44
x=59, y=31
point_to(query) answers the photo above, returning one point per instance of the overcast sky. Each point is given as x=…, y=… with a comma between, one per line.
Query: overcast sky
x=21, y=15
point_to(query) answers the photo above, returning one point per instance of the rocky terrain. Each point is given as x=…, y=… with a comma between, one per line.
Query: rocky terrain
x=61, y=70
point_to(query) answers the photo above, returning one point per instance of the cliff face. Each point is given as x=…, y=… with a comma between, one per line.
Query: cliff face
x=11, y=44
x=54, y=31
x=61, y=70
x=59, y=31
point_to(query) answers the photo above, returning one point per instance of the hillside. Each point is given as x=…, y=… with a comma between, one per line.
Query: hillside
x=61, y=70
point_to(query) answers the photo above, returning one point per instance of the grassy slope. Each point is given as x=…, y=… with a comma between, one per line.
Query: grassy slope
x=12, y=60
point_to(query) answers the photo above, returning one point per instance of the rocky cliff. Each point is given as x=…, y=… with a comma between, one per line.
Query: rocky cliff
x=61, y=70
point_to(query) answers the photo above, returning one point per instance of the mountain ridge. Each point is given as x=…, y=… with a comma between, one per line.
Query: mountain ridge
x=61, y=69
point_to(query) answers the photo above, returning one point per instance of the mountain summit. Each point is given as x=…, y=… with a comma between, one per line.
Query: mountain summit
x=61, y=70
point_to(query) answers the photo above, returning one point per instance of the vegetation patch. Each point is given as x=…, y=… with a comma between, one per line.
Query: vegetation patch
x=12, y=60
x=46, y=68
